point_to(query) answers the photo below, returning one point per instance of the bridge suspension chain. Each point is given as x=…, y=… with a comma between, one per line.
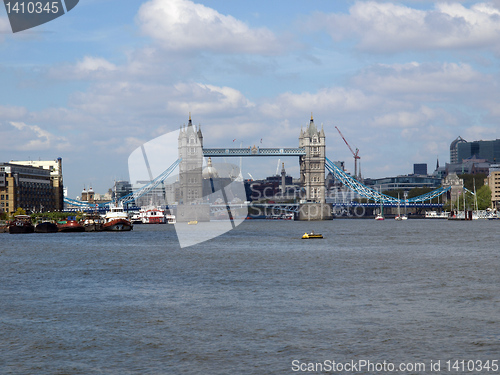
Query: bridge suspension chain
x=372, y=194
x=152, y=185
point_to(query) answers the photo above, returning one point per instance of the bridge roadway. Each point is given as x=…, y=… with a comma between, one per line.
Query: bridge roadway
x=253, y=151
x=295, y=206
x=289, y=207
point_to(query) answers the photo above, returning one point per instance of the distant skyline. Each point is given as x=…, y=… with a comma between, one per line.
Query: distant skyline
x=400, y=79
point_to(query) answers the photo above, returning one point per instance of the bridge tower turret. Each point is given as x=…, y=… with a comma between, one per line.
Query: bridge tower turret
x=312, y=164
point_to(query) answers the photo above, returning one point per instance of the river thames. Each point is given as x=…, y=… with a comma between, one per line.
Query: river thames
x=256, y=300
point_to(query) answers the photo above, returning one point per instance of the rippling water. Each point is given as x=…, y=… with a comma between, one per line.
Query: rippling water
x=251, y=301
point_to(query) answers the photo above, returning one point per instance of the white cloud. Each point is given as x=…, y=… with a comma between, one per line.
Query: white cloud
x=337, y=99
x=205, y=99
x=88, y=67
x=421, y=78
x=93, y=64
x=388, y=27
x=34, y=138
x=479, y=132
x=184, y=26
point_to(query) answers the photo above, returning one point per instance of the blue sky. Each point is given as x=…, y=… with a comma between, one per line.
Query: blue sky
x=400, y=79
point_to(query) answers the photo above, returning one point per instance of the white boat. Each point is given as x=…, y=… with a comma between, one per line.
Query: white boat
x=380, y=215
x=116, y=219
x=135, y=218
x=400, y=217
x=436, y=215
x=170, y=219
x=152, y=215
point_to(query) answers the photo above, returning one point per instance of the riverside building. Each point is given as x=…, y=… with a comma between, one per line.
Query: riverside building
x=56, y=177
x=493, y=181
x=26, y=187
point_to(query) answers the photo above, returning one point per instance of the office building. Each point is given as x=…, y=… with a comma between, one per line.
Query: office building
x=26, y=187
x=488, y=150
x=55, y=169
x=493, y=181
x=420, y=169
x=454, y=149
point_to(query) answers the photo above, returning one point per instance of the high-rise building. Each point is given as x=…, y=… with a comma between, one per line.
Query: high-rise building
x=489, y=150
x=454, y=149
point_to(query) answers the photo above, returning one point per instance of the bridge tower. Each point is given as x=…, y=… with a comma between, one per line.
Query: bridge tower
x=191, y=154
x=312, y=164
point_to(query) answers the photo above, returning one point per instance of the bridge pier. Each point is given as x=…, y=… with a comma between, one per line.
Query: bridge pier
x=315, y=211
x=196, y=212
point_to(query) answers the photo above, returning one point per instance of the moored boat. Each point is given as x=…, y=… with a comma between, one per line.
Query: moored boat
x=21, y=224
x=436, y=215
x=400, y=217
x=135, y=218
x=46, y=227
x=153, y=215
x=70, y=225
x=116, y=219
x=92, y=223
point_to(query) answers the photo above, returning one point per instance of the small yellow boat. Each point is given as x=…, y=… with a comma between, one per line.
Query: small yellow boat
x=311, y=235
x=193, y=222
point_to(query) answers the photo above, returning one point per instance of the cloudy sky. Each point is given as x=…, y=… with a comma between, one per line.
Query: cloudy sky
x=400, y=79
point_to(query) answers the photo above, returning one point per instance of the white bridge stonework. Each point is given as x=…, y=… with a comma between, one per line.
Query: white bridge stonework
x=311, y=154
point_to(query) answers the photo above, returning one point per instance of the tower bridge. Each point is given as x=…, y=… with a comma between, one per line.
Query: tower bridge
x=313, y=165
x=312, y=161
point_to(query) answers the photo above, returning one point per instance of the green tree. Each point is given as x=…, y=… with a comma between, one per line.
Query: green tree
x=484, y=197
x=473, y=179
x=19, y=211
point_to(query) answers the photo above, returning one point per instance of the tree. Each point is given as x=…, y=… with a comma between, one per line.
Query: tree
x=484, y=197
x=19, y=211
x=471, y=179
